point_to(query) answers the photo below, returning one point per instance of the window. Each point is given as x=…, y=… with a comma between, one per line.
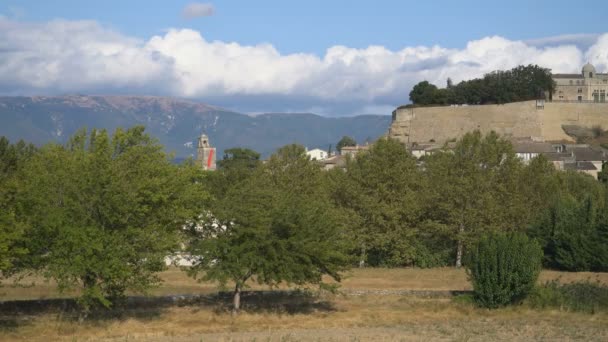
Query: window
x=570, y=82
x=580, y=90
x=602, y=95
x=590, y=74
x=580, y=99
x=561, y=97
x=578, y=82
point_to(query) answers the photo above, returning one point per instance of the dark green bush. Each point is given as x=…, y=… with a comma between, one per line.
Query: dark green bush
x=586, y=296
x=503, y=268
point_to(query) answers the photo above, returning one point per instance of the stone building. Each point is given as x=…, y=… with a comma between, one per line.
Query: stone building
x=205, y=156
x=588, y=86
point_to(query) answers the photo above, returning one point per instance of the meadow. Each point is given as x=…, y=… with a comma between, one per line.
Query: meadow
x=305, y=316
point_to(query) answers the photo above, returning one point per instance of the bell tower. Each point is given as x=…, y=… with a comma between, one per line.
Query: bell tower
x=205, y=156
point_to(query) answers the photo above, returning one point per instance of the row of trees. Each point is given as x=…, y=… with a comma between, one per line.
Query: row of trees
x=102, y=212
x=522, y=83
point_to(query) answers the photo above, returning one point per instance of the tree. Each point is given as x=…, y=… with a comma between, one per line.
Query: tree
x=345, y=141
x=380, y=192
x=277, y=226
x=503, y=268
x=12, y=232
x=473, y=189
x=423, y=93
x=572, y=227
x=103, y=213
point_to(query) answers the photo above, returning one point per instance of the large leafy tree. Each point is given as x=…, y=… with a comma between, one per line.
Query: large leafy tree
x=380, y=192
x=103, y=212
x=12, y=233
x=474, y=188
x=277, y=225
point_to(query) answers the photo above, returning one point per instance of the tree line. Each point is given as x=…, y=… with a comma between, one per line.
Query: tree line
x=521, y=83
x=101, y=212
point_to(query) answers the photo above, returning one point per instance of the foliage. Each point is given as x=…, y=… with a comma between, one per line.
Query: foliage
x=573, y=229
x=474, y=189
x=521, y=83
x=379, y=193
x=424, y=93
x=275, y=226
x=103, y=212
x=12, y=233
x=345, y=141
x=586, y=296
x=503, y=268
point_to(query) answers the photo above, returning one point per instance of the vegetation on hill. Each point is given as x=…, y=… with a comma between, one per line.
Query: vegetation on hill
x=521, y=83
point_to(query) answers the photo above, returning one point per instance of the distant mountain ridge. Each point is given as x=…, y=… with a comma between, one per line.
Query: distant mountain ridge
x=177, y=123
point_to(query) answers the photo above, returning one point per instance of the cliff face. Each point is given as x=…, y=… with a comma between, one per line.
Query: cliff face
x=520, y=119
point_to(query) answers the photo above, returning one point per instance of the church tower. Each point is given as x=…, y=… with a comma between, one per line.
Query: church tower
x=205, y=156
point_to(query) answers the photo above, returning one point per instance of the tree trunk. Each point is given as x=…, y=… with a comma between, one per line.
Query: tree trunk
x=460, y=247
x=236, y=301
x=362, y=257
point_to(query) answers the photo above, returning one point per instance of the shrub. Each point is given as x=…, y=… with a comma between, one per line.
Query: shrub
x=503, y=268
x=585, y=296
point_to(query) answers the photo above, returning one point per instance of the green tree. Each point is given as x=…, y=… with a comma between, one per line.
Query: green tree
x=474, y=188
x=276, y=226
x=423, y=93
x=103, y=212
x=572, y=227
x=12, y=233
x=345, y=141
x=379, y=192
x=503, y=268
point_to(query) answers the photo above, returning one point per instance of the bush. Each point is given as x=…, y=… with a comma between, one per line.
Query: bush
x=587, y=296
x=503, y=268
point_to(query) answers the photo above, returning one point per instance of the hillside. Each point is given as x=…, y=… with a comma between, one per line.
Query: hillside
x=177, y=123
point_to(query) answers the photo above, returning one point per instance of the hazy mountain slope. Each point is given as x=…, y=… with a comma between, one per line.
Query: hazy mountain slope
x=177, y=123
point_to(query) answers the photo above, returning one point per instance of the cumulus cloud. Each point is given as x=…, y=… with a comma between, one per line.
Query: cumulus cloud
x=63, y=56
x=197, y=10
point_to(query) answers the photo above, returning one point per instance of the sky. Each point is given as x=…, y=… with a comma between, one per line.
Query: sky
x=328, y=57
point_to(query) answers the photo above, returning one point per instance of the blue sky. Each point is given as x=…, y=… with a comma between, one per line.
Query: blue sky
x=332, y=57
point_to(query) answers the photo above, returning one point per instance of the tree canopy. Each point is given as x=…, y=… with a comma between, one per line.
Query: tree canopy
x=521, y=83
x=277, y=225
x=345, y=141
x=103, y=212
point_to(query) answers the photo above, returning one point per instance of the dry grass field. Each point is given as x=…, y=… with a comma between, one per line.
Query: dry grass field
x=311, y=318
x=176, y=281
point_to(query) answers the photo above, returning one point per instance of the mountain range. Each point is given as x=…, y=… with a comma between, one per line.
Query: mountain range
x=177, y=123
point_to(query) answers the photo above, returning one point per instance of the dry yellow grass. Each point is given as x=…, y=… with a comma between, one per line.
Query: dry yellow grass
x=335, y=318
x=176, y=281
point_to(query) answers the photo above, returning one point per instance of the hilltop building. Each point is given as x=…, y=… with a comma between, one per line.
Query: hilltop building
x=588, y=86
x=317, y=154
x=205, y=156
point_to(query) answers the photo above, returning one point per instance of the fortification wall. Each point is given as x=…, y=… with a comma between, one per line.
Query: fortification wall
x=520, y=119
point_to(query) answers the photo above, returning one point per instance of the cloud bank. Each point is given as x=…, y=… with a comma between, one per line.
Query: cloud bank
x=197, y=10
x=61, y=56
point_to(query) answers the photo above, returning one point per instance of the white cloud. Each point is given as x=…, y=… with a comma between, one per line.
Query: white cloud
x=197, y=10
x=63, y=56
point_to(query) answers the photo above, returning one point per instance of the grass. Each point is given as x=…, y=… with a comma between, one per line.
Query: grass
x=177, y=282
x=347, y=318
x=315, y=318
